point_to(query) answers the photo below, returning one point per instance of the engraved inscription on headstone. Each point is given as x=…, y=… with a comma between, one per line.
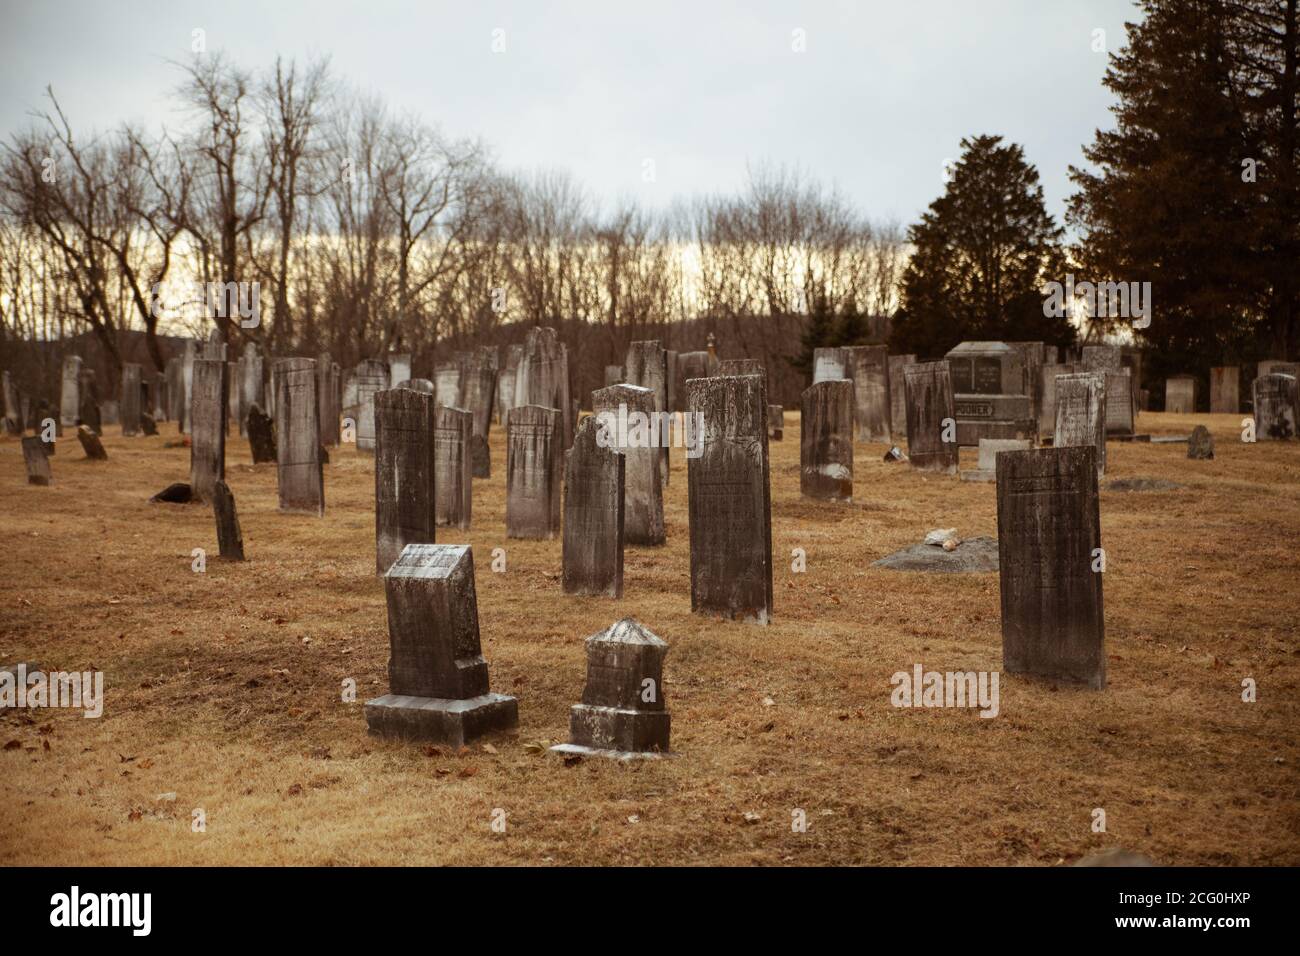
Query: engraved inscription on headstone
x=1081, y=414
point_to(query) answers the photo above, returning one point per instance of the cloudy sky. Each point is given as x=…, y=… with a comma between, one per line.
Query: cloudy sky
x=872, y=96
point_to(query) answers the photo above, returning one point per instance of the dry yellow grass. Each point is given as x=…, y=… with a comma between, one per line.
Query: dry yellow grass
x=224, y=687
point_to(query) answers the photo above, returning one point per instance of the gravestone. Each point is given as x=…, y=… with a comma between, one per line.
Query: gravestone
x=252, y=387
x=542, y=377
x=147, y=425
x=1200, y=444
x=1277, y=367
x=990, y=448
x=437, y=678
x=129, y=410
x=592, y=552
x=1225, y=390
x=12, y=405
x=826, y=441
x=730, y=499
x=1180, y=395
x=931, y=425
x=613, y=375
x=327, y=398
x=691, y=365
x=775, y=423
x=90, y=412
x=643, y=496
x=208, y=427
x=533, y=471
x=647, y=366
x=478, y=384
x=506, y=381
x=230, y=539
x=176, y=392
x=446, y=384
x=1119, y=403
x=672, y=380
x=399, y=368
x=91, y=444
x=1047, y=396
x=829, y=365
x=1081, y=414
x=405, y=470
x=110, y=415
x=70, y=396
x=188, y=358
x=1277, y=407
x=215, y=348
x=741, y=366
x=1101, y=358
x=371, y=378
x=989, y=400
x=867, y=367
x=261, y=435
x=623, y=712
x=453, y=435
x=37, y=459
x=1033, y=355
x=898, y=395
x=1049, y=530
x=297, y=436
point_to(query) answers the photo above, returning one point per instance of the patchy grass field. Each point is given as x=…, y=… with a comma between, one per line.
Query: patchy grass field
x=223, y=688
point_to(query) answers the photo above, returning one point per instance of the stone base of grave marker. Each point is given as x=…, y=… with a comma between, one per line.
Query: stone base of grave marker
x=450, y=722
x=230, y=539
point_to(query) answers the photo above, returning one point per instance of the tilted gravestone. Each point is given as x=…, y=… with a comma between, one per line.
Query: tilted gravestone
x=775, y=423
x=230, y=539
x=618, y=406
x=261, y=435
x=70, y=396
x=91, y=444
x=437, y=678
x=623, y=713
x=898, y=395
x=1180, y=395
x=931, y=425
x=730, y=499
x=1225, y=390
x=1277, y=407
x=592, y=553
x=867, y=367
x=826, y=441
x=129, y=410
x=371, y=377
x=37, y=459
x=90, y=416
x=646, y=365
x=453, y=434
x=404, y=473
x=533, y=472
x=1049, y=541
x=542, y=377
x=1081, y=414
x=208, y=427
x=297, y=436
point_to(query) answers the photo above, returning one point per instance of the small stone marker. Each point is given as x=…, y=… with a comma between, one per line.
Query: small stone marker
x=297, y=436
x=371, y=377
x=1049, y=530
x=437, y=678
x=930, y=447
x=1200, y=445
x=643, y=496
x=1081, y=414
x=826, y=441
x=730, y=499
x=453, y=436
x=623, y=714
x=898, y=395
x=91, y=444
x=1225, y=390
x=867, y=367
x=533, y=471
x=37, y=460
x=261, y=435
x=208, y=427
x=230, y=539
x=990, y=448
x=1277, y=408
x=775, y=423
x=404, y=473
x=593, y=515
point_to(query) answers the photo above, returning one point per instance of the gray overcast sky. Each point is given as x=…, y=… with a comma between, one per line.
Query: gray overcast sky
x=878, y=100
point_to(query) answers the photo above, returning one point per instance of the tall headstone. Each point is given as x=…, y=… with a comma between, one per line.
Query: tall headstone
x=826, y=440
x=931, y=423
x=506, y=381
x=252, y=388
x=188, y=358
x=1081, y=414
x=691, y=365
x=453, y=435
x=70, y=397
x=1047, y=396
x=207, y=418
x=867, y=367
x=533, y=471
x=1225, y=390
x=36, y=457
x=646, y=365
x=593, y=515
x=730, y=499
x=297, y=436
x=623, y=713
x=405, y=472
x=1120, y=411
x=327, y=393
x=437, y=678
x=230, y=539
x=478, y=384
x=542, y=377
x=1277, y=407
x=446, y=384
x=12, y=406
x=129, y=409
x=775, y=423
x=371, y=378
x=1049, y=536
x=643, y=497
x=898, y=395
x=1180, y=395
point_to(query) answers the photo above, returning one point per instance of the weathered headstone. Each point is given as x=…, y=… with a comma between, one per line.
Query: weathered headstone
x=252, y=378
x=446, y=384
x=12, y=405
x=230, y=539
x=1047, y=396
x=898, y=395
x=647, y=366
x=867, y=367
x=623, y=712
x=478, y=385
x=297, y=436
x=1033, y=355
x=506, y=381
x=129, y=410
x=399, y=368
x=70, y=397
x=775, y=423
x=208, y=426
x=1120, y=413
x=261, y=435
x=691, y=365
x=37, y=459
x=1200, y=445
x=1049, y=540
x=327, y=396
x=1277, y=366
x=1277, y=407
x=643, y=499
x=613, y=375
x=371, y=377
x=91, y=444
x=990, y=448
x=1225, y=390
x=741, y=366
x=90, y=416
x=1180, y=394
x=405, y=471
x=533, y=471
x=437, y=678
x=826, y=441
x=1081, y=414
x=730, y=499
x=593, y=515
x=829, y=365
x=542, y=377
x=931, y=425
x=453, y=436
x=1101, y=358
x=188, y=358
